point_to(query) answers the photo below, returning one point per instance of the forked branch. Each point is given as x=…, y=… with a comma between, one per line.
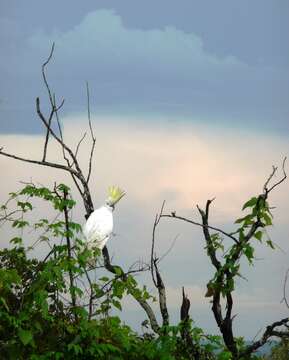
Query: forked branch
x=156, y=276
x=271, y=330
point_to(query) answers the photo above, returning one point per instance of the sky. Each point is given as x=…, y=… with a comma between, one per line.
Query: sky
x=189, y=101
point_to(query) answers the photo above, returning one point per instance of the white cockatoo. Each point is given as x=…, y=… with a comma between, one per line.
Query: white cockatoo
x=99, y=226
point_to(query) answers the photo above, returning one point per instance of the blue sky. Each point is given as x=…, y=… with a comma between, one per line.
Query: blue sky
x=189, y=101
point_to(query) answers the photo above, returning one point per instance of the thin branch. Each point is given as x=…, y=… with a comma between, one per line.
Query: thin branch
x=156, y=276
x=70, y=165
x=79, y=143
x=86, y=193
x=90, y=305
x=156, y=222
x=284, y=289
x=148, y=310
x=201, y=225
x=269, y=332
x=210, y=248
x=169, y=249
x=122, y=276
x=91, y=133
x=50, y=99
x=68, y=242
x=39, y=162
x=47, y=135
x=266, y=190
x=57, y=118
x=44, y=75
x=152, y=253
x=88, y=110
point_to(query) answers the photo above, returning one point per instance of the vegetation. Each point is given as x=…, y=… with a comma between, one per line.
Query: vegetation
x=53, y=307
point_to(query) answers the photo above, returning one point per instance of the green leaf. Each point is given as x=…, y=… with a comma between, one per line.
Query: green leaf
x=267, y=219
x=250, y=203
x=224, y=355
x=269, y=242
x=20, y=223
x=16, y=240
x=117, y=270
x=3, y=301
x=25, y=336
x=63, y=188
x=249, y=252
x=24, y=205
x=258, y=235
x=117, y=304
x=246, y=219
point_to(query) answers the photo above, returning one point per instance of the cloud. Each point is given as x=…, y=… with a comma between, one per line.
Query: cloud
x=103, y=43
x=130, y=70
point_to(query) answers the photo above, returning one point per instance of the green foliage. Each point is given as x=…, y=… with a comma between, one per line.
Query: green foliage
x=280, y=351
x=251, y=226
x=44, y=309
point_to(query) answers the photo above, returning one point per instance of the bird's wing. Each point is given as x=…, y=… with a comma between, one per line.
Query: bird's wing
x=98, y=227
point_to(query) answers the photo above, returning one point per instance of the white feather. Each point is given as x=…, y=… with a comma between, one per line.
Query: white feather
x=98, y=227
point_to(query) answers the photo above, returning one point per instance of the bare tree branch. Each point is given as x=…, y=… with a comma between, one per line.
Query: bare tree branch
x=156, y=222
x=156, y=276
x=266, y=190
x=50, y=99
x=143, y=303
x=39, y=162
x=78, y=173
x=173, y=215
x=69, y=247
x=284, y=289
x=44, y=75
x=79, y=143
x=185, y=308
x=269, y=332
x=91, y=133
x=210, y=248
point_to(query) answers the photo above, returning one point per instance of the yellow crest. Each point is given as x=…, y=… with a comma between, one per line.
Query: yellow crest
x=114, y=194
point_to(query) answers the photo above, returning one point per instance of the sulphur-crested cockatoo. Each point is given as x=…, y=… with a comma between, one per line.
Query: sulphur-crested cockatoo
x=98, y=227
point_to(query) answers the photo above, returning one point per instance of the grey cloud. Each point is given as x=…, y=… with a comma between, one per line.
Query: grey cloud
x=165, y=70
x=253, y=31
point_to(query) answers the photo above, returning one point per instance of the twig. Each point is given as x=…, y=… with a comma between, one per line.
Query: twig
x=44, y=75
x=51, y=101
x=266, y=190
x=201, y=225
x=156, y=222
x=269, y=332
x=91, y=133
x=79, y=143
x=284, y=289
x=40, y=162
x=169, y=249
